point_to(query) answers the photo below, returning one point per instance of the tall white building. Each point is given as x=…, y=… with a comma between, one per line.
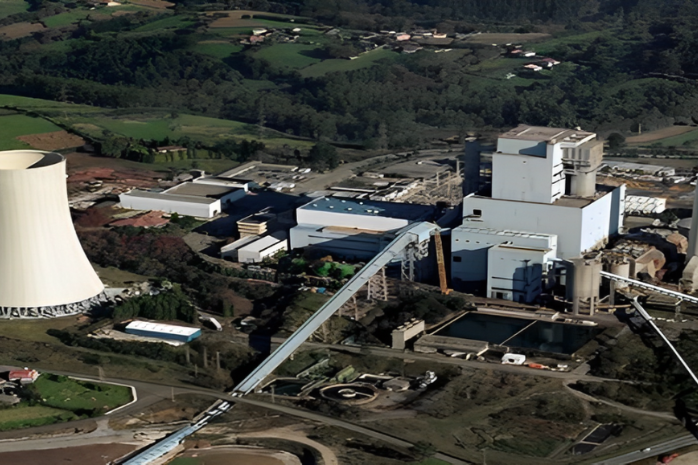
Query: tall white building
x=544, y=207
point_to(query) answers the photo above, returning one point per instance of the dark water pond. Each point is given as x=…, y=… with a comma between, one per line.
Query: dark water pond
x=532, y=334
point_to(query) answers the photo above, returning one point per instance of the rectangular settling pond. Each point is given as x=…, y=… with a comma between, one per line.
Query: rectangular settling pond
x=545, y=336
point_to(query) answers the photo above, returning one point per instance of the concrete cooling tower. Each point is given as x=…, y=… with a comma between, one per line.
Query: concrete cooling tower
x=43, y=270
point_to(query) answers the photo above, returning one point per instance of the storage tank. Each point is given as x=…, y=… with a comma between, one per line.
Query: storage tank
x=43, y=270
x=584, y=286
x=621, y=268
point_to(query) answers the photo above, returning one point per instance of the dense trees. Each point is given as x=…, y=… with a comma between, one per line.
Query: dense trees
x=608, y=82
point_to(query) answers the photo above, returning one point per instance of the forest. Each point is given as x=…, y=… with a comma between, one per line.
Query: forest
x=637, y=67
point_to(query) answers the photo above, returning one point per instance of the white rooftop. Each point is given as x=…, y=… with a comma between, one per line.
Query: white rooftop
x=162, y=328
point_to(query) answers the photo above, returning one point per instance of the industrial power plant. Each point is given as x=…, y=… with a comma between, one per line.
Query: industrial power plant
x=43, y=269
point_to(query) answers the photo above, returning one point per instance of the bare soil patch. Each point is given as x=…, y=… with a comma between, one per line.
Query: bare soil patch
x=157, y=4
x=17, y=30
x=53, y=140
x=98, y=454
x=652, y=136
x=505, y=38
x=235, y=18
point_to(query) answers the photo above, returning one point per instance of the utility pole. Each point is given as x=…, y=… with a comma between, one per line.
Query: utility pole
x=188, y=355
x=205, y=357
x=218, y=361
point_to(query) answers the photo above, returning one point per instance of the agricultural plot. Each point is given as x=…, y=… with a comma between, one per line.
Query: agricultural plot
x=548, y=46
x=11, y=7
x=37, y=415
x=167, y=22
x=68, y=18
x=364, y=61
x=294, y=56
x=671, y=136
x=506, y=38
x=18, y=30
x=216, y=48
x=15, y=125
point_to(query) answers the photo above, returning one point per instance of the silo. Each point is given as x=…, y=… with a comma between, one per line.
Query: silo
x=585, y=283
x=43, y=270
x=620, y=267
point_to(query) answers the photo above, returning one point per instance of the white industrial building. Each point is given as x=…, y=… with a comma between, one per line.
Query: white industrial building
x=351, y=228
x=201, y=199
x=43, y=269
x=544, y=207
x=254, y=249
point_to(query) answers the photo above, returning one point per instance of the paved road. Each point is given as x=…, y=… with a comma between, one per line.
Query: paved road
x=439, y=358
x=661, y=448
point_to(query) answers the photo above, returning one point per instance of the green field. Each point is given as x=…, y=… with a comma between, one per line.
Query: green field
x=63, y=399
x=364, y=61
x=159, y=126
x=21, y=125
x=549, y=46
x=171, y=22
x=688, y=138
x=294, y=56
x=67, y=393
x=22, y=416
x=217, y=50
x=65, y=19
x=28, y=103
x=11, y=7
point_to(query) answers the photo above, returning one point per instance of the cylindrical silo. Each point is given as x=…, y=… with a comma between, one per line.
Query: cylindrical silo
x=43, y=269
x=620, y=267
x=585, y=283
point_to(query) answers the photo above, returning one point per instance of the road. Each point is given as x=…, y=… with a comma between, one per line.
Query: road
x=325, y=420
x=438, y=358
x=661, y=448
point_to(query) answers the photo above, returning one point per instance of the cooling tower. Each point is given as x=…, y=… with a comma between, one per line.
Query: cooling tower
x=43, y=270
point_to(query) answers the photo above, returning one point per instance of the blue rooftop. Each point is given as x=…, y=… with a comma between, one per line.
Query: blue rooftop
x=406, y=211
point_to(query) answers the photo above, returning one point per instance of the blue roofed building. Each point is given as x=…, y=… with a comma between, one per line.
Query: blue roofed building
x=353, y=229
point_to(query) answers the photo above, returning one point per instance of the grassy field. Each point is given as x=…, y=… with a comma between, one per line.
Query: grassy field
x=63, y=399
x=11, y=7
x=37, y=415
x=21, y=125
x=35, y=330
x=216, y=49
x=364, y=61
x=65, y=19
x=687, y=138
x=171, y=22
x=70, y=394
x=548, y=46
x=28, y=103
x=290, y=55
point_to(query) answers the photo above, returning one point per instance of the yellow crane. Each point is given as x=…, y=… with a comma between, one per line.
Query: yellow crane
x=441, y=263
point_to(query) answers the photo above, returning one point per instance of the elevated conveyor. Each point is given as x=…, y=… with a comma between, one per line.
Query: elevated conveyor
x=650, y=287
x=413, y=234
